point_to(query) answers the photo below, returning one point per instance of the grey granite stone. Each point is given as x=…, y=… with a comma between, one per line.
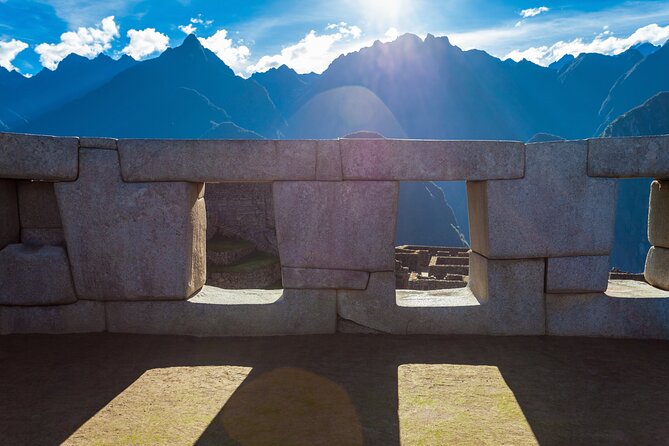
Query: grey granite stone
x=512, y=292
x=585, y=274
x=628, y=309
x=216, y=312
x=98, y=143
x=80, y=317
x=10, y=227
x=38, y=206
x=217, y=161
x=336, y=225
x=415, y=160
x=328, y=161
x=32, y=157
x=555, y=211
x=658, y=214
x=35, y=275
x=41, y=236
x=657, y=267
x=646, y=156
x=131, y=241
x=310, y=278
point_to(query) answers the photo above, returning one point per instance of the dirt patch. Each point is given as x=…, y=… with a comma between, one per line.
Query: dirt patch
x=327, y=390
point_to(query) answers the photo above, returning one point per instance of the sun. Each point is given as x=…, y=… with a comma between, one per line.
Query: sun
x=384, y=11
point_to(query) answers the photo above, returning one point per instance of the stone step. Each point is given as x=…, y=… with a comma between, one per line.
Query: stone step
x=257, y=271
x=449, y=261
x=223, y=251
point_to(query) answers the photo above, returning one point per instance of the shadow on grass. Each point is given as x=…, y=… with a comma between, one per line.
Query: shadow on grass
x=339, y=389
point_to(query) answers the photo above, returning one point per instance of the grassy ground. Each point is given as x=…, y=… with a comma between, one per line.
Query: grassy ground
x=251, y=263
x=332, y=390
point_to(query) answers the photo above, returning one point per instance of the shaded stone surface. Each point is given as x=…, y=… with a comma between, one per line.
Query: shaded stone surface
x=645, y=156
x=628, y=309
x=39, y=236
x=217, y=160
x=84, y=316
x=132, y=241
x=513, y=293
x=38, y=206
x=324, y=278
x=344, y=225
x=577, y=274
x=35, y=275
x=657, y=267
x=32, y=157
x=10, y=226
x=415, y=160
x=555, y=211
x=658, y=214
x=216, y=312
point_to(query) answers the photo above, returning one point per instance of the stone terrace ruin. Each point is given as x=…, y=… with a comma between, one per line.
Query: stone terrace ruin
x=106, y=235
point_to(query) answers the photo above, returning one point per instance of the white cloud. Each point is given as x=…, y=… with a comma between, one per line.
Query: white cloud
x=145, y=42
x=314, y=52
x=234, y=56
x=391, y=34
x=532, y=12
x=87, y=42
x=604, y=43
x=188, y=29
x=201, y=21
x=8, y=52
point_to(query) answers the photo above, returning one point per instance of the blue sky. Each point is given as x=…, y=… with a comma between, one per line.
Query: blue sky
x=308, y=34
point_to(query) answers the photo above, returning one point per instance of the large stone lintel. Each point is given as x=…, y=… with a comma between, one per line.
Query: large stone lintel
x=658, y=214
x=44, y=158
x=310, y=278
x=80, y=317
x=415, y=160
x=556, y=210
x=637, y=157
x=628, y=309
x=346, y=225
x=217, y=161
x=216, y=312
x=584, y=274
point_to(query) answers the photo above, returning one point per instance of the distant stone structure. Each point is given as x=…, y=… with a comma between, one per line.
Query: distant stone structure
x=431, y=267
x=123, y=248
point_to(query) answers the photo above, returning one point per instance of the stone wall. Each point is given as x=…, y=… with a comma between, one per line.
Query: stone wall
x=133, y=227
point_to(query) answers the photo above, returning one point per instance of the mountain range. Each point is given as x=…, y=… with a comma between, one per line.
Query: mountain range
x=408, y=88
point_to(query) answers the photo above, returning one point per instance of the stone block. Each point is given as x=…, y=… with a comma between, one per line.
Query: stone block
x=32, y=157
x=381, y=308
x=628, y=309
x=98, y=143
x=35, y=275
x=38, y=206
x=336, y=225
x=637, y=157
x=328, y=161
x=512, y=292
x=40, y=236
x=10, y=227
x=84, y=316
x=555, y=211
x=131, y=241
x=415, y=160
x=216, y=312
x=657, y=267
x=310, y=278
x=658, y=214
x=216, y=161
x=584, y=274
